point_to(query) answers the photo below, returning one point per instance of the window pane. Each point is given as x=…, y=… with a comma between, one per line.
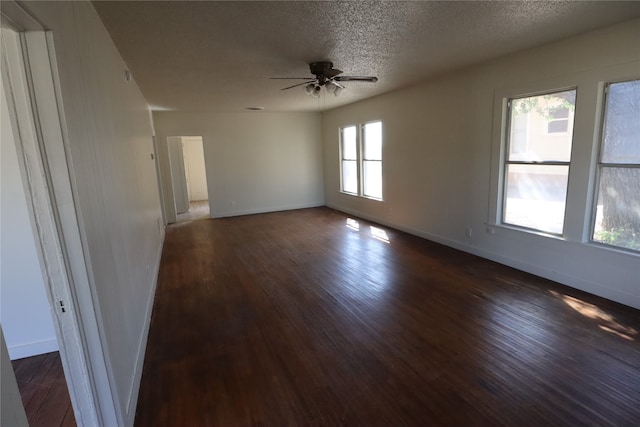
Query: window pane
x=622, y=124
x=617, y=220
x=349, y=144
x=373, y=179
x=535, y=196
x=538, y=130
x=349, y=176
x=373, y=141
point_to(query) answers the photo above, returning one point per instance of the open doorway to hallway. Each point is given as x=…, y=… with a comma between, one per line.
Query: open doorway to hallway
x=189, y=177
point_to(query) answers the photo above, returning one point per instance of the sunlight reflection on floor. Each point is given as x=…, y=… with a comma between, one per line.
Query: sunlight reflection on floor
x=608, y=322
x=367, y=256
x=379, y=234
x=376, y=232
x=353, y=224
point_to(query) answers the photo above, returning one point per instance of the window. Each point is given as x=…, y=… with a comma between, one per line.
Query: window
x=372, y=160
x=617, y=211
x=536, y=168
x=361, y=155
x=349, y=159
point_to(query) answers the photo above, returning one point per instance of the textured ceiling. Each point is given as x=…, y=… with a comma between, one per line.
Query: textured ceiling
x=218, y=56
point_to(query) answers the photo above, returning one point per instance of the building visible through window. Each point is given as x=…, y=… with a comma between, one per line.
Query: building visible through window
x=558, y=120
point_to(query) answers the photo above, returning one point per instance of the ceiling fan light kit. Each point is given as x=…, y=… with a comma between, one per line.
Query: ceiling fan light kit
x=325, y=76
x=308, y=89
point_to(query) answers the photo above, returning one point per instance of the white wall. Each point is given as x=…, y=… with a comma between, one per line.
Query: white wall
x=441, y=157
x=24, y=309
x=255, y=161
x=195, y=168
x=109, y=144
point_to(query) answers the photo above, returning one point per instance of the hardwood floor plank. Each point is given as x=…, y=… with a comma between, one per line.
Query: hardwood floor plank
x=44, y=392
x=312, y=317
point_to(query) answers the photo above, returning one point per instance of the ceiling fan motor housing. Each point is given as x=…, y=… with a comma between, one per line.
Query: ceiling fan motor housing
x=324, y=71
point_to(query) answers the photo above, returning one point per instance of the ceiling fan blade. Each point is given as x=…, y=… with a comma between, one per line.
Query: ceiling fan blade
x=289, y=78
x=298, y=84
x=370, y=79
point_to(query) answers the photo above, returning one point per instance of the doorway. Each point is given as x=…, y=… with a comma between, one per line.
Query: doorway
x=188, y=177
x=31, y=100
x=28, y=326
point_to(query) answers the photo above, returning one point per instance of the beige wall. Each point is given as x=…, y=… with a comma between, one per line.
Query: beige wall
x=255, y=161
x=441, y=159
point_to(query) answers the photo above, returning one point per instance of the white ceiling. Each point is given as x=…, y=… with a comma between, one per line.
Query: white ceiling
x=218, y=56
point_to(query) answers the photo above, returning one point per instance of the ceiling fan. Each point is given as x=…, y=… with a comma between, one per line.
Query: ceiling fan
x=327, y=77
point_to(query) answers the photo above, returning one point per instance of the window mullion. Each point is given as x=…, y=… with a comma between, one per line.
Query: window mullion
x=545, y=163
x=619, y=165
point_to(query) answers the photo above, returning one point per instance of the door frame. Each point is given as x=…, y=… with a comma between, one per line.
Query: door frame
x=29, y=73
x=188, y=144
x=168, y=205
x=175, y=147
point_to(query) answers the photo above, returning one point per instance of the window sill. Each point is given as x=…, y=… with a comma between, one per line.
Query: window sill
x=490, y=229
x=361, y=196
x=526, y=231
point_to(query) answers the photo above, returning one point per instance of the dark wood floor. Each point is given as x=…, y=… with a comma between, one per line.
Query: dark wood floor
x=307, y=318
x=44, y=391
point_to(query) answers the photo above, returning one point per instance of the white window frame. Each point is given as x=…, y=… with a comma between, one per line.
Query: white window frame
x=356, y=160
x=505, y=161
x=582, y=183
x=600, y=165
x=360, y=159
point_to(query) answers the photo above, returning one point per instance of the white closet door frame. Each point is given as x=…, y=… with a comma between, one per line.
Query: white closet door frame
x=29, y=74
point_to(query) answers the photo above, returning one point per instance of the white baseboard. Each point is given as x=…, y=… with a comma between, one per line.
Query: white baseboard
x=567, y=280
x=32, y=349
x=266, y=210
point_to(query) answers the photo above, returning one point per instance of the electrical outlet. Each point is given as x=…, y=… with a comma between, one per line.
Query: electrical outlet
x=469, y=232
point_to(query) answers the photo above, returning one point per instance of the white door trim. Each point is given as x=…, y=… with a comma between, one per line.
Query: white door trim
x=178, y=174
x=30, y=75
